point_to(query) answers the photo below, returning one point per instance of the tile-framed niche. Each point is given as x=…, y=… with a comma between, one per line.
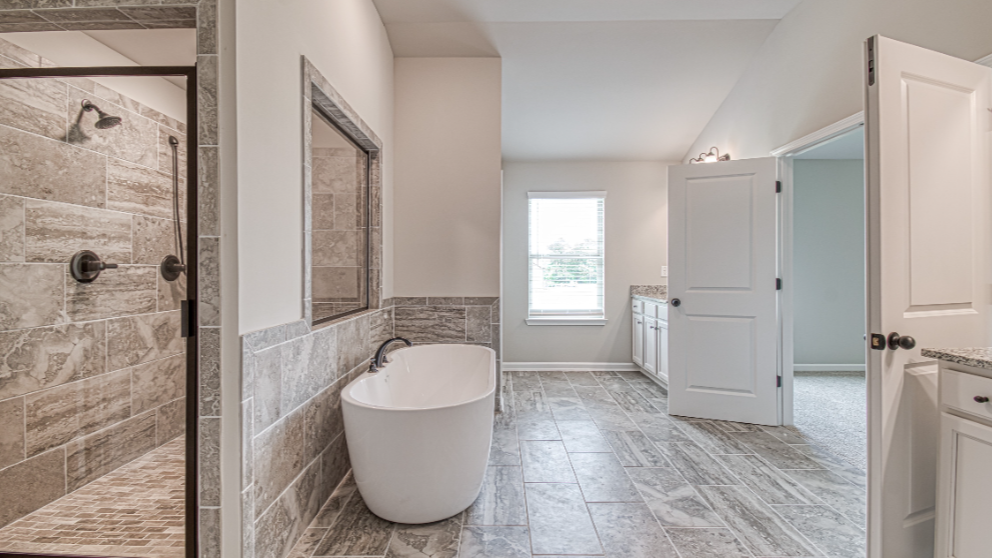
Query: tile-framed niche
x=318, y=94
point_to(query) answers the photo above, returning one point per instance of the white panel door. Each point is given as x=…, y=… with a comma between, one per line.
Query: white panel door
x=722, y=320
x=928, y=267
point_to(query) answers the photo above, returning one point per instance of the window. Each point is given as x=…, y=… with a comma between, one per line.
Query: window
x=565, y=252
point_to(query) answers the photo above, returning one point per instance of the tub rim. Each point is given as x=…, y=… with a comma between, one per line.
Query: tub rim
x=346, y=392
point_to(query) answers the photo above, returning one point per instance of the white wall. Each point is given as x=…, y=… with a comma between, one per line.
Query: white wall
x=828, y=262
x=635, y=234
x=808, y=74
x=447, y=193
x=347, y=42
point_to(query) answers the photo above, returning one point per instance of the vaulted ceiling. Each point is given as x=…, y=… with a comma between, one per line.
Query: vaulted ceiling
x=595, y=79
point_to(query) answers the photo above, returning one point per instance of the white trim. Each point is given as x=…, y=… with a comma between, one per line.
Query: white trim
x=574, y=195
x=809, y=141
x=563, y=321
x=986, y=60
x=829, y=368
x=570, y=366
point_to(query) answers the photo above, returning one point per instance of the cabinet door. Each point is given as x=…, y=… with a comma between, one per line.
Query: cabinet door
x=651, y=339
x=662, y=367
x=965, y=466
x=638, y=339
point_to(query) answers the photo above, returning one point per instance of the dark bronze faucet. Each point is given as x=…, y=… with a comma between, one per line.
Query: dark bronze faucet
x=380, y=359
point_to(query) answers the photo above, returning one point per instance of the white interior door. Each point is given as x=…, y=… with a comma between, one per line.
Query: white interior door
x=723, y=322
x=928, y=267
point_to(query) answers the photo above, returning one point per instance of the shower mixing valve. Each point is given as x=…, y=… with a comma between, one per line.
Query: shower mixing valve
x=86, y=266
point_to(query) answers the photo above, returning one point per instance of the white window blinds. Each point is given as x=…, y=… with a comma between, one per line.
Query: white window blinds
x=565, y=249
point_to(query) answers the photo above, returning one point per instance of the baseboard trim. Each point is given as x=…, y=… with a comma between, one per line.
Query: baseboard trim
x=569, y=366
x=829, y=368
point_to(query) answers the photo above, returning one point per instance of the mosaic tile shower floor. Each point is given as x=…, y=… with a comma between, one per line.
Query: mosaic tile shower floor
x=134, y=511
x=590, y=464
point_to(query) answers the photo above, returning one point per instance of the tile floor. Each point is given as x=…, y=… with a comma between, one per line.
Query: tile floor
x=589, y=464
x=135, y=511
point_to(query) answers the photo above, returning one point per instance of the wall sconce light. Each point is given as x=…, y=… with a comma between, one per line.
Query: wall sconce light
x=712, y=157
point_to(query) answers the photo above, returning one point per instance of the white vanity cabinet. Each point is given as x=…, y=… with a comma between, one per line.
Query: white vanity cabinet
x=965, y=463
x=650, y=341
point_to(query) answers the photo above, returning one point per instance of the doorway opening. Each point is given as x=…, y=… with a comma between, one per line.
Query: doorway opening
x=828, y=295
x=98, y=371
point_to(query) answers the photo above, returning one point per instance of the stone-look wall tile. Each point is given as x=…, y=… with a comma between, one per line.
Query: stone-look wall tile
x=170, y=293
x=278, y=530
x=322, y=211
x=279, y=458
x=480, y=300
x=446, y=301
x=157, y=383
x=34, y=105
x=31, y=484
x=107, y=95
x=124, y=291
x=94, y=456
x=296, y=329
x=353, y=343
x=207, y=100
x=335, y=464
x=208, y=190
x=63, y=413
x=150, y=113
x=210, y=461
x=133, y=140
x=323, y=421
x=410, y=301
x=431, y=324
x=209, y=298
x=210, y=532
x=495, y=339
x=137, y=339
x=248, y=523
x=41, y=168
x=265, y=338
x=380, y=328
x=133, y=188
x=338, y=248
x=267, y=384
x=11, y=431
x=22, y=56
x=35, y=359
x=210, y=372
x=207, y=27
x=299, y=383
x=165, y=151
x=53, y=232
x=331, y=284
x=170, y=421
x=478, y=324
x=247, y=436
x=324, y=355
x=31, y=295
x=348, y=211
x=11, y=227
x=154, y=238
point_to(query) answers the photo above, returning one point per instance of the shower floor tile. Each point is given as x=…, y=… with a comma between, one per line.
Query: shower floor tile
x=626, y=479
x=134, y=511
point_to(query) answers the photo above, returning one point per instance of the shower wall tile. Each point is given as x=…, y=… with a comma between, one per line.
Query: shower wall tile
x=34, y=105
x=210, y=372
x=170, y=293
x=279, y=458
x=11, y=229
x=210, y=461
x=41, y=168
x=338, y=248
x=431, y=324
x=133, y=188
x=31, y=295
x=31, y=484
x=170, y=421
x=347, y=211
x=324, y=421
x=322, y=211
x=158, y=382
x=267, y=382
x=207, y=100
x=208, y=186
x=207, y=27
x=35, y=359
x=138, y=339
x=117, y=292
x=55, y=231
x=11, y=431
x=94, y=456
x=134, y=140
x=209, y=297
x=64, y=413
x=153, y=239
x=336, y=283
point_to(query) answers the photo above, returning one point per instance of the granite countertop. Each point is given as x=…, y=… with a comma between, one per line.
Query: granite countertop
x=978, y=357
x=653, y=292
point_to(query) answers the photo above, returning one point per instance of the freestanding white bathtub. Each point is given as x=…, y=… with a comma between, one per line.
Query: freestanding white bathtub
x=419, y=430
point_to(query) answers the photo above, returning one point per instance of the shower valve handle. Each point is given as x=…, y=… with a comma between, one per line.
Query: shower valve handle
x=86, y=266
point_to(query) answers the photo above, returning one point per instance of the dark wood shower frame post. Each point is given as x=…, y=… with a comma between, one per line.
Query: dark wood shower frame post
x=192, y=484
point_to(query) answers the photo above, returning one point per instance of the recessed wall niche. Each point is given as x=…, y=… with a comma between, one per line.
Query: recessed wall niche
x=339, y=221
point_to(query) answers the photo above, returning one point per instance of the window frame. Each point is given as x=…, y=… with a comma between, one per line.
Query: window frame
x=566, y=319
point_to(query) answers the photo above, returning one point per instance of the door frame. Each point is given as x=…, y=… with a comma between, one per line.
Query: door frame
x=189, y=318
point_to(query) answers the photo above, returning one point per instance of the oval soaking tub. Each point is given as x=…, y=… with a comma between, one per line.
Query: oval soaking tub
x=419, y=430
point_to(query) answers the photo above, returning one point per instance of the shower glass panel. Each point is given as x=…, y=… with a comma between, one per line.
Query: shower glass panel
x=340, y=222
x=93, y=370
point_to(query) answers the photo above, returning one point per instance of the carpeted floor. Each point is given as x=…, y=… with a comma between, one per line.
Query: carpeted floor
x=829, y=408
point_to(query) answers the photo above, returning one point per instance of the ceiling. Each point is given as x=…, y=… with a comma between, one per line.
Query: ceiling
x=595, y=79
x=850, y=145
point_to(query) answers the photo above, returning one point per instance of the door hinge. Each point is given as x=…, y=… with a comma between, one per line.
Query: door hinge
x=779, y=284
x=188, y=318
x=871, y=68
x=779, y=381
x=779, y=186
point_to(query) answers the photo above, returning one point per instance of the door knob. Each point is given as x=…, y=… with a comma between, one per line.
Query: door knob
x=675, y=302
x=981, y=399
x=86, y=266
x=897, y=341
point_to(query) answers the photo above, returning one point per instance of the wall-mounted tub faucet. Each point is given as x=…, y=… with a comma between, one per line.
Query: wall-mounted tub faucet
x=380, y=359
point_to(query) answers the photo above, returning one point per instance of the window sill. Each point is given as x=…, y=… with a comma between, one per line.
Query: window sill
x=559, y=321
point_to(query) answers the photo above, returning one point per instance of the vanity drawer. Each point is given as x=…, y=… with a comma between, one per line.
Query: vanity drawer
x=636, y=306
x=650, y=309
x=663, y=312
x=959, y=390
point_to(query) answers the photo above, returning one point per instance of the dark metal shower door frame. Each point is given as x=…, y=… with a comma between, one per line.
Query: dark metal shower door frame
x=189, y=325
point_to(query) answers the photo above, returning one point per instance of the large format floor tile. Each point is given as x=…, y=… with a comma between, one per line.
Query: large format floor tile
x=559, y=520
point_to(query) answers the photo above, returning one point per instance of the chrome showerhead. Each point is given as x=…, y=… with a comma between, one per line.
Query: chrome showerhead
x=105, y=121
